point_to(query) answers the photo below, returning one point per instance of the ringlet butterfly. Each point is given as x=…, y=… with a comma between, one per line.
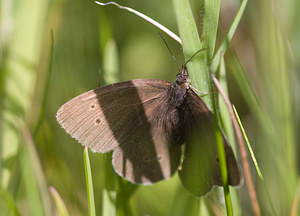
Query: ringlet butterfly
x=145, y=122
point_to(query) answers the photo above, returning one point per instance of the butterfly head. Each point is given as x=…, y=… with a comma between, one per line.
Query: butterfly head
x=182, y=79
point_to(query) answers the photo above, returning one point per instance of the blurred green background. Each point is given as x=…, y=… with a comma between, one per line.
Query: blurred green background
x=35, y=151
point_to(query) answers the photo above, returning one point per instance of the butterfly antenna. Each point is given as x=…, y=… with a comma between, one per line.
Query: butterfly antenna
x=170, y=51
x=193, y=56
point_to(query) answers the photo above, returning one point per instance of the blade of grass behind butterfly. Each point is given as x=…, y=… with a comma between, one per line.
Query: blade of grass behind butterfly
x=32, y=173
x=210, y=26
x=125, y=191
x=185, y=203
x=226, y=123
x=254, y=161
x=249, y=92
x=18, y=87
x=222, y=159
x=8, y=205
x=225, y=43
x=109, y=75
x=89, y=182
x=46, y=89
x=118, y=192
x=191, y=43
x=60, y=205
x=225, y=119
x=198, y=71
x=276, y=76
x=109, y=196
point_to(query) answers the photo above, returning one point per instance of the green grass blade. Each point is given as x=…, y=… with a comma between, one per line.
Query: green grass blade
x=110, y=74
x=198, y=71
x=31, y=171
x=227, y=126
x=89, y=182
x=11, y=207
x=254, y=161
x=225, y=118
x=46, y=89
x=222, y=160
x=210, y=26
x=225, y=43
x=109, y=202
x=17, y=90
x=184, y=203
x=60, y=205
x=110, y=62
x=249, y=92
x=223, y=168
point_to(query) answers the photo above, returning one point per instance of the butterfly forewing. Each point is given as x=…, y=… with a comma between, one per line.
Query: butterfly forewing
x=120, y=117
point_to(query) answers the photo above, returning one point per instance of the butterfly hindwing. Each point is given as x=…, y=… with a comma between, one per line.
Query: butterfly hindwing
x=200, y=168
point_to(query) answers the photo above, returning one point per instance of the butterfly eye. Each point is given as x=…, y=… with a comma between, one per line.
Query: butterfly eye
x=92, y=106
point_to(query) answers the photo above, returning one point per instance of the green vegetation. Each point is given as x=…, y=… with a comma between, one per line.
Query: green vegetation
x=52, y=51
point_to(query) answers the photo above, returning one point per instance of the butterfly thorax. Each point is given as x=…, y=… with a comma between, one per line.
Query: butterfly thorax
x=179, y=88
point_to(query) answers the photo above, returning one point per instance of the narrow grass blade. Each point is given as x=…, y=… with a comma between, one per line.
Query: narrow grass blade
x=46, y=89
x=254, y=160
x=110, y=75
x=89, y=182
x=109, y=203
x=247, y=172
x=224, y=113
x=227, y=126
x=223, y=168
x=184, y=203
x=226, y=41
x=18, y=72
x=222, y=160
x=249, y=92
x=126, y=190
x=34, y=180
x=296, y=203
x=10, y=208
x=110, y=62
x=210, y=26
x=60, y=205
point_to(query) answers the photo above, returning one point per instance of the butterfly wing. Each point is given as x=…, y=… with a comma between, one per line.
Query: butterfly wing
x=200, y=168
x=118, y=117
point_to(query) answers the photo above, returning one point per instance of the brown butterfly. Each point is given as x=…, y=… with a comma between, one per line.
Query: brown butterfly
x=145, y=122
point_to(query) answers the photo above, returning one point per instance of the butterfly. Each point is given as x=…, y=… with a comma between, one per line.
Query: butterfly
x=153, y=127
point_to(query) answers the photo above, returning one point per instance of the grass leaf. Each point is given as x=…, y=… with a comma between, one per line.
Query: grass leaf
x=89, y=182
x=198, y=71
x=210, y=26
x=226, y=41
x=62, y=210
